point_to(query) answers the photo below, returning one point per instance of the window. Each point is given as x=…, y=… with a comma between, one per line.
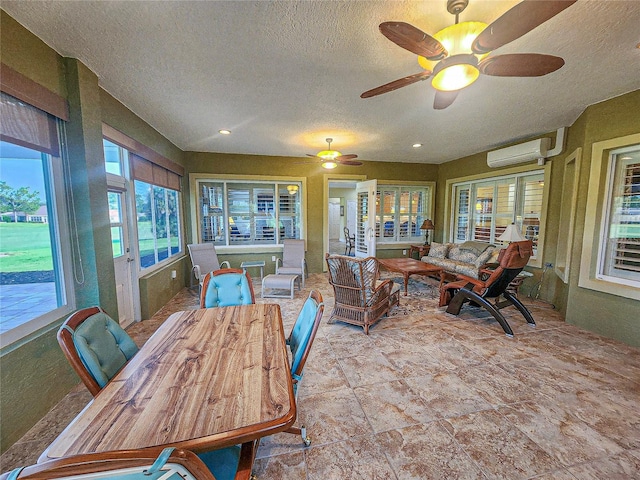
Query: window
x=620, y=243
x=157, y=182
x=237, y=212
x=400, y=211
x=114, y=157
x=158, y=221
x=484, y=208
x=32, y=267
x=35, y=265
x=610, y=245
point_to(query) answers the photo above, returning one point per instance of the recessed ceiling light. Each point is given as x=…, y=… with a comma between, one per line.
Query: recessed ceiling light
x=416, y=145
x=224, y=132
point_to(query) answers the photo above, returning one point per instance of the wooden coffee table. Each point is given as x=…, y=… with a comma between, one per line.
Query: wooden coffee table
x=408, y=267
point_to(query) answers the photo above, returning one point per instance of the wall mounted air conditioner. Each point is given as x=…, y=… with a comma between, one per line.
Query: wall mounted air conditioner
x=524, y=152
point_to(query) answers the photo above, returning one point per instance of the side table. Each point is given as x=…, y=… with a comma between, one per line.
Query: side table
x=259, y=263
x=421, y=249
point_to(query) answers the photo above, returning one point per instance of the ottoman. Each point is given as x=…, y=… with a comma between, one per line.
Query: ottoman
x=272, y=282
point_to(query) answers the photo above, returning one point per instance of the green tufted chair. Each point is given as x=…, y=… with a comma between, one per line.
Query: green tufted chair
x=96, y=346
x=226, y=287
x=148, y=464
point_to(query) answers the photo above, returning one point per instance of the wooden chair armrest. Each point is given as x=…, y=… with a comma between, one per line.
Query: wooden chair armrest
x=474, y=281
x=384, y=284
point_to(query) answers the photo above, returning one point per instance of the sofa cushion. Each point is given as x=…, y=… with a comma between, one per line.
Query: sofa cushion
x=439, y=250
x=467, y=269
x=462, y=255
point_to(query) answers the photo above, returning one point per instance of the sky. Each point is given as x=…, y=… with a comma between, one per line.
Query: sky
x=21, y=167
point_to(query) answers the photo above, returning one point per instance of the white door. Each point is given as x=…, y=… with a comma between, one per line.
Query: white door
x=351, y=215
x=334, y=221
x=366, y=218
x=123, y=262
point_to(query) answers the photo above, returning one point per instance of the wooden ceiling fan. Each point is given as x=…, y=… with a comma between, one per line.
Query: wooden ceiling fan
x=331, y=158
x=454, y=57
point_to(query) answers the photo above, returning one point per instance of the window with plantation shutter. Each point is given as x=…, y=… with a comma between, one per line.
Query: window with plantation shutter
x=621, y=247
x=484, y=208
x=400, y=212
x=248, y=213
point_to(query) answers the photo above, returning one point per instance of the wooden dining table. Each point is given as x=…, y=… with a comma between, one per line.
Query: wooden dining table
x=206, y=379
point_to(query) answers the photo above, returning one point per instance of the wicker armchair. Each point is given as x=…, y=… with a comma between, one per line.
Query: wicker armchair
x=360, y=299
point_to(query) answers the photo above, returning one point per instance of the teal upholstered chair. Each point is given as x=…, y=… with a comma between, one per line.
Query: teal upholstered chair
x=96, y=346
x=147, y=464
x=226, y=287
x=300, y=341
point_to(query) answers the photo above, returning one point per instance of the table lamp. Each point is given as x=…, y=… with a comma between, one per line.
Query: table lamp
x=511, y=234
x=427, y=225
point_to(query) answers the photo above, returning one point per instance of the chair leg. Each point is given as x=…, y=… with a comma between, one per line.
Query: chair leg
x=455, y=304
x=302, y=431
x=464, y=294
x=520, y=306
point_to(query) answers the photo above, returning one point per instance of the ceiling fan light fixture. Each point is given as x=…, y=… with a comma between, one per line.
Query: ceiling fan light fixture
x=457, y=39
x=329, y=154
x=455, y=77
x=458, y=70
x=329, y=164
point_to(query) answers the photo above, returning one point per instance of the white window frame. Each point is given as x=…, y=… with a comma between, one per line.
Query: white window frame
x=523, y=170
x=195, y=178
x=396, y=240
x=597, y=221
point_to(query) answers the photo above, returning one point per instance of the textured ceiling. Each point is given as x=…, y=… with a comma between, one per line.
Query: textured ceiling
x=284, y=75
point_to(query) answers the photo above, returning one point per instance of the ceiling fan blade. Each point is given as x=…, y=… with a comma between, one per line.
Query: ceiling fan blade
x=346, y=157
x=413, y=39
x=444, y=99
x=353, y=163
x=402, y=82
x=520, y=65
x=313, y=156
x=521, y=19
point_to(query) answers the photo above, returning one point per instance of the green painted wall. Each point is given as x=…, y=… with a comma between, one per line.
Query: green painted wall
x=27, y=54
x=198, y=162
x=610, y=315
x=34, y=375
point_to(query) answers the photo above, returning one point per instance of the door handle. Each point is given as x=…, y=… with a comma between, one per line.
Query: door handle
x=130, y=259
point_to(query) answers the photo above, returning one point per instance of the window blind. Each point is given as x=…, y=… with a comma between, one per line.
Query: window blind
x=149, y=172
x=28, y=126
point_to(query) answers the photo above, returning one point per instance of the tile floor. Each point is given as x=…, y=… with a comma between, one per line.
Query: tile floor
x=431, y=396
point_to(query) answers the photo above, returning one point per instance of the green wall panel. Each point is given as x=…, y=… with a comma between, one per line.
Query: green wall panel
x=226, y=164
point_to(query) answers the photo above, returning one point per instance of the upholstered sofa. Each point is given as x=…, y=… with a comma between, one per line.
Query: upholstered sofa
x=462, y=258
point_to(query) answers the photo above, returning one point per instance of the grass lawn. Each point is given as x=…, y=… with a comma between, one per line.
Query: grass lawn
x=25, y=247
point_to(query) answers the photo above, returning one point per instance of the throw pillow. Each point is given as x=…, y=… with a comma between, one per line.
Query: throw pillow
x=475, y=246
x=438, y=250
x=485, y=256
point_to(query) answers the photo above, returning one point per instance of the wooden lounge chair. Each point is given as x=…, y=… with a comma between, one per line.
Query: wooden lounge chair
x=511, y=262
